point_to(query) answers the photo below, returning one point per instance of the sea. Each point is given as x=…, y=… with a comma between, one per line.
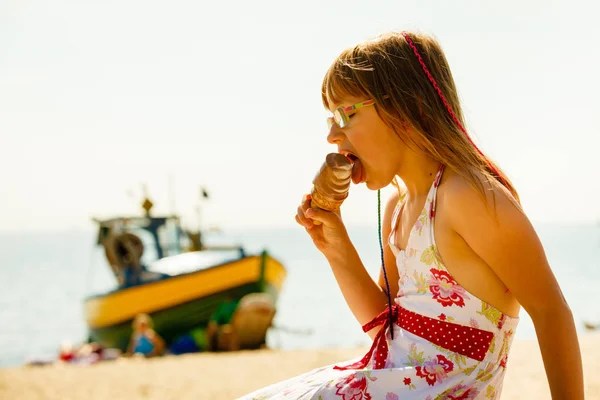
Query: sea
x=44, y=278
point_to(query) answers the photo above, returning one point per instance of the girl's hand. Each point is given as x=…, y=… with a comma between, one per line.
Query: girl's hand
x=330, y=237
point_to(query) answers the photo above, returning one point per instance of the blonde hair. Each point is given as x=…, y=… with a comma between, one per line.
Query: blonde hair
x=409, y=77
x=142, y=317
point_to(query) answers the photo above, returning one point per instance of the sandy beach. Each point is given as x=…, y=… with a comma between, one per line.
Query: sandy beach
x=226, y=376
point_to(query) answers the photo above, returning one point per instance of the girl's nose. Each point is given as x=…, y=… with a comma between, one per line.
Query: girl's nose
x=335, y=135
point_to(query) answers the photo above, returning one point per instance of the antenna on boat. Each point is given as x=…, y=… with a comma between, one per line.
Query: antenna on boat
x=171, y=181
x=203, y=195
x=146, y=204
x=196, y=237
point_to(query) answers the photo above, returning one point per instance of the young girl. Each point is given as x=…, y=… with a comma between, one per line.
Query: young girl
x=460, y=257
x=144, y=340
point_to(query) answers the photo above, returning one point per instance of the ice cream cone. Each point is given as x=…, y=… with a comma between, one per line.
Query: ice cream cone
x=332, y=183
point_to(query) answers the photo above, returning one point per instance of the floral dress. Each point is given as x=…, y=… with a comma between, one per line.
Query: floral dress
x=447, y=343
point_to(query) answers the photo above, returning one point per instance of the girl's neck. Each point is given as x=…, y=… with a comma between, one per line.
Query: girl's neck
x=418, y=172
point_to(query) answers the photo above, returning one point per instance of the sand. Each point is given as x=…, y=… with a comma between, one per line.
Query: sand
x=226, y=376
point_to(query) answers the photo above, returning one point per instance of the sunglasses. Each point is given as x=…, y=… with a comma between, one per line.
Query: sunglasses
x=341, y=117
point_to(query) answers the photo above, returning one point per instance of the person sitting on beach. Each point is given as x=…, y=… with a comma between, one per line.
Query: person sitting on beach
x=220, y=333
x=459, y=256
x=234, y=325
x=86, y=353
x=144, y=340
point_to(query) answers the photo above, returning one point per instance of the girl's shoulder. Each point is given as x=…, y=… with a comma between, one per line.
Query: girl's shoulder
x=458, y=193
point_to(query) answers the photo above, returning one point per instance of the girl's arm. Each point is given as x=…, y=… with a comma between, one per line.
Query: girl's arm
x=503, y=237
x=158, y=343
x=365, y=298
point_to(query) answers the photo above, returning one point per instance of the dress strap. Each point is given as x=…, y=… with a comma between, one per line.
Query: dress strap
x=436, y=183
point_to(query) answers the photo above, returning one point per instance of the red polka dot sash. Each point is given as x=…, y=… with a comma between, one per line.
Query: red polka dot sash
x=464, y=340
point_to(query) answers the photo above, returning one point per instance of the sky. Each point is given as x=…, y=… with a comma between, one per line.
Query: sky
x=98, y=98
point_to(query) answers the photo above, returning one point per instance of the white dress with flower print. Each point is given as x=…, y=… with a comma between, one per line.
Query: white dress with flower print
x=447, y=343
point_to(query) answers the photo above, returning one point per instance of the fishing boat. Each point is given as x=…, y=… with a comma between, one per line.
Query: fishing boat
x=182, y=287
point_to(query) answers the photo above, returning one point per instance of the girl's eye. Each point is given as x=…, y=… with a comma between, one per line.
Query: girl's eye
x=351, y=115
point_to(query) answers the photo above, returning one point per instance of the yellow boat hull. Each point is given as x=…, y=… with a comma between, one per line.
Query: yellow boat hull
x=183, y=302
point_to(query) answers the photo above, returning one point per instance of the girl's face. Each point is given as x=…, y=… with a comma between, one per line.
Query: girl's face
x=141, y=325
x=377, y=150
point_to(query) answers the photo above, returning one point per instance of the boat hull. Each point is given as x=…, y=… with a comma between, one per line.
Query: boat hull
x=180, y=303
